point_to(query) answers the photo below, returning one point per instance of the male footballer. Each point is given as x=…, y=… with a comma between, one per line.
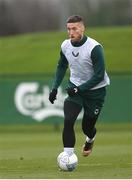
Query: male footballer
x=87, y=83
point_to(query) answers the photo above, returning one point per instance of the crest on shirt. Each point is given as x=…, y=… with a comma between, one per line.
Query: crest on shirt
x=96, y=112
x=75, y=54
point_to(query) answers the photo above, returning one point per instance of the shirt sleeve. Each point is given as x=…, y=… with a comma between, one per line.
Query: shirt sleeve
x=60, y=71
x=97, y=56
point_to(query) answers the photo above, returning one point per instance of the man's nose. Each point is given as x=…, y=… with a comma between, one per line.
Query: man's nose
x=71, y=33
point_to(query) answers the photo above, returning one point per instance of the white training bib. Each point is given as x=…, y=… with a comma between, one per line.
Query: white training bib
x=80, y=62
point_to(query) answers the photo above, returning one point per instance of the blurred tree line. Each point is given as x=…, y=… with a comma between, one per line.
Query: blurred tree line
x=21, y=16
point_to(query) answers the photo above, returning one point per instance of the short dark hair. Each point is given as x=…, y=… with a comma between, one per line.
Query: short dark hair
x=74, y=19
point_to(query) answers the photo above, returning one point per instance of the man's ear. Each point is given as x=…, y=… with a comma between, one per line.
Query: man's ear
x=83, y=28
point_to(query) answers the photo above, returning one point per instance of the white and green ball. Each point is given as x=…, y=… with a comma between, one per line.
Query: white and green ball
x=67, y=162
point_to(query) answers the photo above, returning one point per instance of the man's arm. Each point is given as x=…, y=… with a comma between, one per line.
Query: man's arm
x=97, y=57
x=60, y=71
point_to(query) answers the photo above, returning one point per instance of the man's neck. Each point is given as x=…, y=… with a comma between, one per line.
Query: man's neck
x=79, y=43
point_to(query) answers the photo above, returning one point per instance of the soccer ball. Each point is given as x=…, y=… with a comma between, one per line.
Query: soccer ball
x=66, y=162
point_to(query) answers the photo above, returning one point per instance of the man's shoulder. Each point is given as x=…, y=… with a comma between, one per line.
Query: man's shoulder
x=92, y=41
x=65, y=43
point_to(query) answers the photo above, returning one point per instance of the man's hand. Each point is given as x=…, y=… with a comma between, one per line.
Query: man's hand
x=72, y=91
x=52, y=95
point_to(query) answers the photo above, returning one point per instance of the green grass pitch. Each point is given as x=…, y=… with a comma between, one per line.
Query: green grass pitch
x=30, y=152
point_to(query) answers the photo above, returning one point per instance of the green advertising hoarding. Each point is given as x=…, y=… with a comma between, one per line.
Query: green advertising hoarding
x=26, y=101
